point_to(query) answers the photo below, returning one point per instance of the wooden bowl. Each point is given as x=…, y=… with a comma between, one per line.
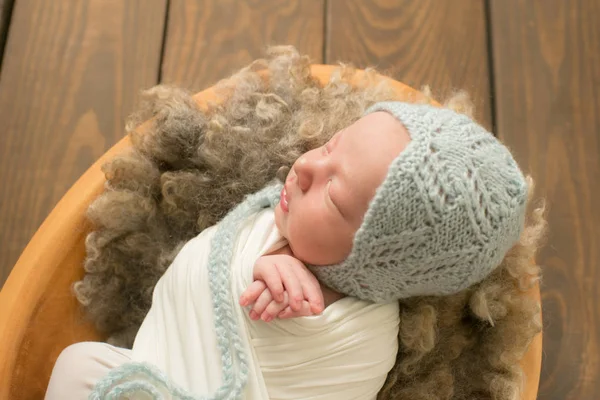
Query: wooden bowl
x=39, y=315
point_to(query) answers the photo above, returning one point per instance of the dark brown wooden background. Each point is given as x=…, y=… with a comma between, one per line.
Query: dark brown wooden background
x=71, y=71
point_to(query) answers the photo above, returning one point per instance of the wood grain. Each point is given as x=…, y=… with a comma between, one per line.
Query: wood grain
x=72, y=70
x=418, y=42
x=5, y=13
x=207, y=40
x=547, y=64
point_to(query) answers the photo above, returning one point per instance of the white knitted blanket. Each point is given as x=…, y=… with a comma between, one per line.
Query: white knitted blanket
x=344, y=353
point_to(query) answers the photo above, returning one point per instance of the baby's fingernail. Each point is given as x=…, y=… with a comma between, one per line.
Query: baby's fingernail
x=267, y=318
x=243, y=301
x=253, y=315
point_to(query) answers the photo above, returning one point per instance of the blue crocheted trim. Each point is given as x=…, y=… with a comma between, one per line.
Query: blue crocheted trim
x=135, y=378
x=143, y=378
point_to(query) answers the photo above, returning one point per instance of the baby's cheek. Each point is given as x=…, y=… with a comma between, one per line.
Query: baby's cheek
x=303, y=247
x=315, y=250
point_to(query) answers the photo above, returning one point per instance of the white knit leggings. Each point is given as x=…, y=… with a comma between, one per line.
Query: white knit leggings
x=80, y=366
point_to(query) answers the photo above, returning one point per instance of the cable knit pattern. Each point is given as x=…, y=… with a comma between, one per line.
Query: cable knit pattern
x=451, y=206
x=136, y=378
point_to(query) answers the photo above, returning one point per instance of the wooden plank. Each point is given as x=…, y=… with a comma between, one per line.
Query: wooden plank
x=5, y=13
x=72, y=71
x=547, y=76
x=419, y=42
x=207, y=40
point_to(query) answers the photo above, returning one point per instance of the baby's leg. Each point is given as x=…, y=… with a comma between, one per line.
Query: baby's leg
x=80, y=366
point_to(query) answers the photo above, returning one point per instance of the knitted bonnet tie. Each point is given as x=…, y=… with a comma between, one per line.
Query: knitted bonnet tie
x=136, y=378
x=450, y=207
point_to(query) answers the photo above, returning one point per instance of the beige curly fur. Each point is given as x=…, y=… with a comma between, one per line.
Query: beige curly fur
x=190, y=167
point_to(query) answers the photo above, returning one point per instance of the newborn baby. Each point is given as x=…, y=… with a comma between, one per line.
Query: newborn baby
x=322, y=205
x=392, y=223
x=411, y=200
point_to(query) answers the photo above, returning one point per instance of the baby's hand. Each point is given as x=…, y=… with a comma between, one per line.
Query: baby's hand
x=266, y=308
x=284, y=274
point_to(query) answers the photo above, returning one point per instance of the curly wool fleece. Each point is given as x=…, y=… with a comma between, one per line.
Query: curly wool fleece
x=451, y=206
x=189, y=168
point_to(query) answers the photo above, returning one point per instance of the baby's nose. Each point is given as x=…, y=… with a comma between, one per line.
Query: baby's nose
x=304, y=173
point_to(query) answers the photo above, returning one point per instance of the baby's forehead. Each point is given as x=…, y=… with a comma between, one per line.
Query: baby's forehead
x=379, y=121
x=365, y=150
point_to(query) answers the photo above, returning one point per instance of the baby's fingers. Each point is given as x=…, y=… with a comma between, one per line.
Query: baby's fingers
x=304, y=311
x=252, y=292
x=292, y=286
x=261, y=304
x=273, y=309
x=312, y=292
x=268, y=272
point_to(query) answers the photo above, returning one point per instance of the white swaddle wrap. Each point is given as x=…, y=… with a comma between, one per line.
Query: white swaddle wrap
x=344, y=353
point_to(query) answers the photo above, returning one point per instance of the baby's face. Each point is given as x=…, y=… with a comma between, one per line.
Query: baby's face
x=328, y=189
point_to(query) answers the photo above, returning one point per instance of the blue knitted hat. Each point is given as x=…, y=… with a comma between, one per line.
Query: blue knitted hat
x=451, y=206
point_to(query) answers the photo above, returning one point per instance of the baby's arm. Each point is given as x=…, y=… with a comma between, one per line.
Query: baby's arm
x=279, y=280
